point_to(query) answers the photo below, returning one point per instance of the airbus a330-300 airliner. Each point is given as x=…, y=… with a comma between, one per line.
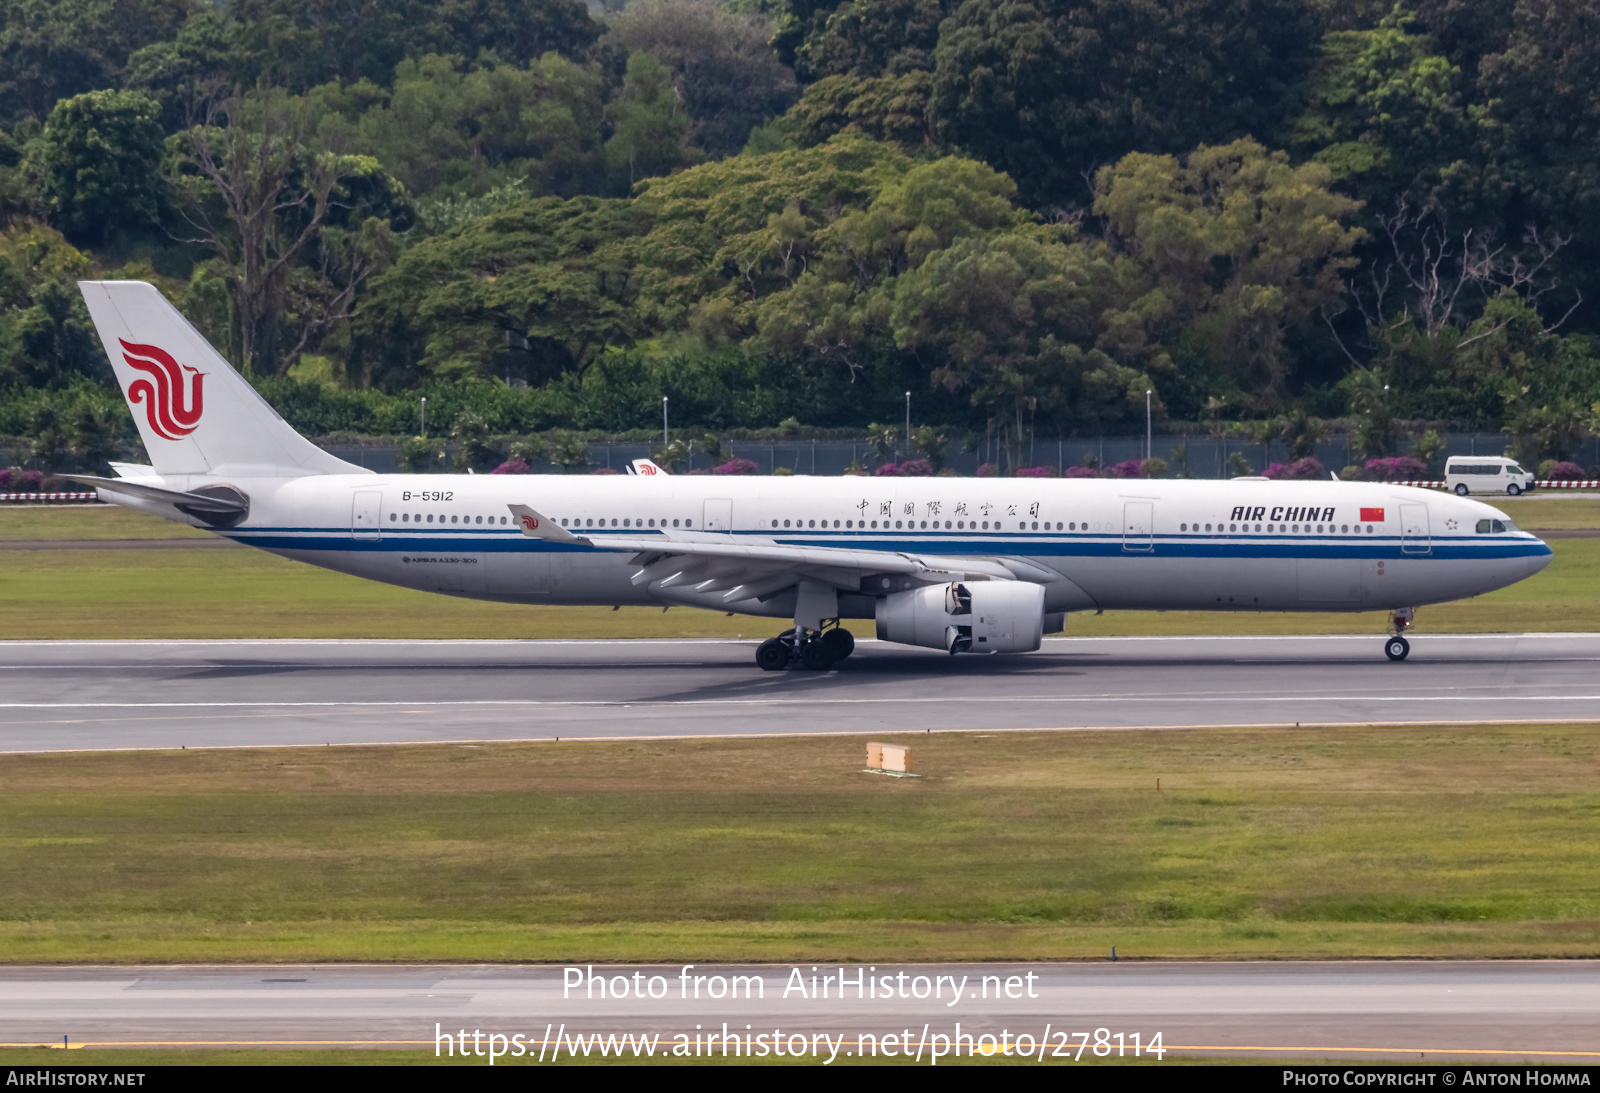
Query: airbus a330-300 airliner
x=966, y=565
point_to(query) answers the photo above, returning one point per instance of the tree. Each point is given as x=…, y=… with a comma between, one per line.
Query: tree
x=46, y=337
x=883, y=108
x=721, y=62
x=1234, y=246
x=866, y=38
x=453, y=133
x=19, y=191
x=839, y=305
x=1372, y=412
x=178, y=71
x=54, y=49
x=261, y=200
x=1541, y=113
x=729, y=234
x=1047, y=93
x=1013, y=318
x=1425, y=308
x=299, y=44
x=570, y=452
x=649, y=125
x=883, y=439
x=541, y=289
x=100, y=158
x=1385, y=115
x=934, y=446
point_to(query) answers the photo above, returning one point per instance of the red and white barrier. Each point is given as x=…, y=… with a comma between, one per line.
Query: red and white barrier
x=1546, y=484
x=62, y=495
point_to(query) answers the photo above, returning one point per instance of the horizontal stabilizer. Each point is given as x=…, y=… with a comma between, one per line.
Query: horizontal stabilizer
x=220, y=506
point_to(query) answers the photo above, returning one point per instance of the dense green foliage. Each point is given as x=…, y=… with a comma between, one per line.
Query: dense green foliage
x=1028, y=213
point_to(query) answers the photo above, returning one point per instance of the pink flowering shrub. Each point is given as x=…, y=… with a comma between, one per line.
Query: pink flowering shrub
x=1566, y=472
x=1394, y=468
x=605, y=470
x=1128, y=468
x=988, y=470
x=17, y=480
x=887, y=470
x=1307, y=468
x=1081, y=472
x=736, y=466
x=1037, y=472
x=515, y=465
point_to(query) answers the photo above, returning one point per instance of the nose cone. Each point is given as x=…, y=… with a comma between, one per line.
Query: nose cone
x=1538, y=556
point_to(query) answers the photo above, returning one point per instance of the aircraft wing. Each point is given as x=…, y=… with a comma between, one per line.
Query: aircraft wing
x=745, y=567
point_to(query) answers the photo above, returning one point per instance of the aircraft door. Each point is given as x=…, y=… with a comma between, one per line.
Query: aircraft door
x=1415, y=533
x=1138, y=522
x=366, y=515
x=719, y=515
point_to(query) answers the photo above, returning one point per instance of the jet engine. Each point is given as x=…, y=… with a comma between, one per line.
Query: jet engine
x=965, y=617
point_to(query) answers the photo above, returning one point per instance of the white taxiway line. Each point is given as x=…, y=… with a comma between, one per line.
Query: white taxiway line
x=796, y=701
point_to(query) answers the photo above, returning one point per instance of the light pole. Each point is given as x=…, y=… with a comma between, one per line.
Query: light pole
x=908, y=424
x=1149, y=442
x=665, y=435
x=424, y=430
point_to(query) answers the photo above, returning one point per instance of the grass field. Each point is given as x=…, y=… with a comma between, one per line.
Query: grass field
x=47, y=522
x=1550, y=510
x=1258, y=843
x=48, y=593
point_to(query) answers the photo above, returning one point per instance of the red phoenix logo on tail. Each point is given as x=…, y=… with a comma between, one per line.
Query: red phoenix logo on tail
x=164, y=400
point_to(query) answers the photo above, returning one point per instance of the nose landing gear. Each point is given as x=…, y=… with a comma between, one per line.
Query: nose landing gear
x=816, y=650
x=1397, y=647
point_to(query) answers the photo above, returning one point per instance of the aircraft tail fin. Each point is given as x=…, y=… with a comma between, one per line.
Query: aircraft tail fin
x=195, y=414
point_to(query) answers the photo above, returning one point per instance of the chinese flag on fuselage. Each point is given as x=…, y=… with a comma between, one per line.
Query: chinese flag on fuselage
x=1372, y=516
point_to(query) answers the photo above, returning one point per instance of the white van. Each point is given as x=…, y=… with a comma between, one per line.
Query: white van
x=1485, y=474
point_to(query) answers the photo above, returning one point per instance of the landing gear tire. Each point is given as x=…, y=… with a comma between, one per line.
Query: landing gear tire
x=1397, y=648
x=772, y=655
x=1514, y=489
x=818, y=655
x=1461, y=489
x=842, y=642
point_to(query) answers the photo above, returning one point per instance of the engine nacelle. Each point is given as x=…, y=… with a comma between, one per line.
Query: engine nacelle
x=965, y=617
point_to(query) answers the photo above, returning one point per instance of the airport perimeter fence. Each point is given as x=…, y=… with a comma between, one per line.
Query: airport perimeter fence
x=1186, y=454
x=1193, y=455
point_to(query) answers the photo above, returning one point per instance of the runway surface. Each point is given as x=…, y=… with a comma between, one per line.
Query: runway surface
x=160, y=694
x=1497, y=1012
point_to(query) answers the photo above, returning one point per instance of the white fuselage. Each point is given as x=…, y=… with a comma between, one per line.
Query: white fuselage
x=1250, y=545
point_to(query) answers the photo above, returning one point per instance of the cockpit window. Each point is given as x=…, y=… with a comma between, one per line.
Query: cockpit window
x=1493, y=527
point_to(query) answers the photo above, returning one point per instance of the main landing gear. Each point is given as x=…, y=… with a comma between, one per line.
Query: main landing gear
x=813, y=649
x=1397, y=647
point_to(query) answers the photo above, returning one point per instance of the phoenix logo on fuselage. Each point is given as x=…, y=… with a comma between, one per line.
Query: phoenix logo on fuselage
x=164, y=400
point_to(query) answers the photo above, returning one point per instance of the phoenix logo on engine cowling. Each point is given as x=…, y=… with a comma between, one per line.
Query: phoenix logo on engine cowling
x=164, y=400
